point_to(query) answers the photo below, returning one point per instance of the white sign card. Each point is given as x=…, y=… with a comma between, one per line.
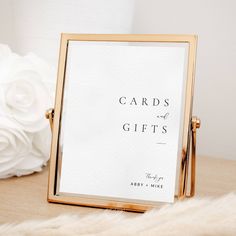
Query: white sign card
x=122, y=120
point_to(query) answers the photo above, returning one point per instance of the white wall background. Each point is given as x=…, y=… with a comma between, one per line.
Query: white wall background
x=214, y=21
x=35, y=26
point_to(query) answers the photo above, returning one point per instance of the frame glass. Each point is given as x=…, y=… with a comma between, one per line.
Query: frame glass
x=115, y=92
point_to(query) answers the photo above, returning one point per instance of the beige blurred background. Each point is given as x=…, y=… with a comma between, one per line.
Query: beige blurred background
x=35, y=26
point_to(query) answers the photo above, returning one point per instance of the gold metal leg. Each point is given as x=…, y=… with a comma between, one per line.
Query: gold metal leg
x=196, y=123
x=189, y=156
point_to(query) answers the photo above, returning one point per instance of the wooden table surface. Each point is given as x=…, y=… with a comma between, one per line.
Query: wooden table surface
x=25, y=197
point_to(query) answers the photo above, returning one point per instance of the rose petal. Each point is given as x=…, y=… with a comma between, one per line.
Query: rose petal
x=42, y=142
x=16, y=145
x=32, y=117
x=30, y=162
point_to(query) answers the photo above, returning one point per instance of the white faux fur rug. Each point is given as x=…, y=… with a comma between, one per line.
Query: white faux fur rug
x=191, y=217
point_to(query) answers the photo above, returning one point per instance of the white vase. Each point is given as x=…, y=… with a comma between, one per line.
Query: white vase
x=38, y=24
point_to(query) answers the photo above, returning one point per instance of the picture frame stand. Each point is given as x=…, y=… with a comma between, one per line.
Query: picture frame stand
x=188, y=162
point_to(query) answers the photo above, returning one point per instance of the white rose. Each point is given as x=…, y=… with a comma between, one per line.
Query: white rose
x=25, y=95
x=17, y=156
x=26, y=91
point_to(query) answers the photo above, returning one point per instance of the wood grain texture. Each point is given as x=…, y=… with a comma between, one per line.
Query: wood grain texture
x=25, y=197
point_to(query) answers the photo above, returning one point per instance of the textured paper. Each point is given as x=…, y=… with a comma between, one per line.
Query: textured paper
x=122, y=120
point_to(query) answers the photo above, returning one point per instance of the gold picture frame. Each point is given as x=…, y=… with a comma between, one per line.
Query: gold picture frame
x=188, y=158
